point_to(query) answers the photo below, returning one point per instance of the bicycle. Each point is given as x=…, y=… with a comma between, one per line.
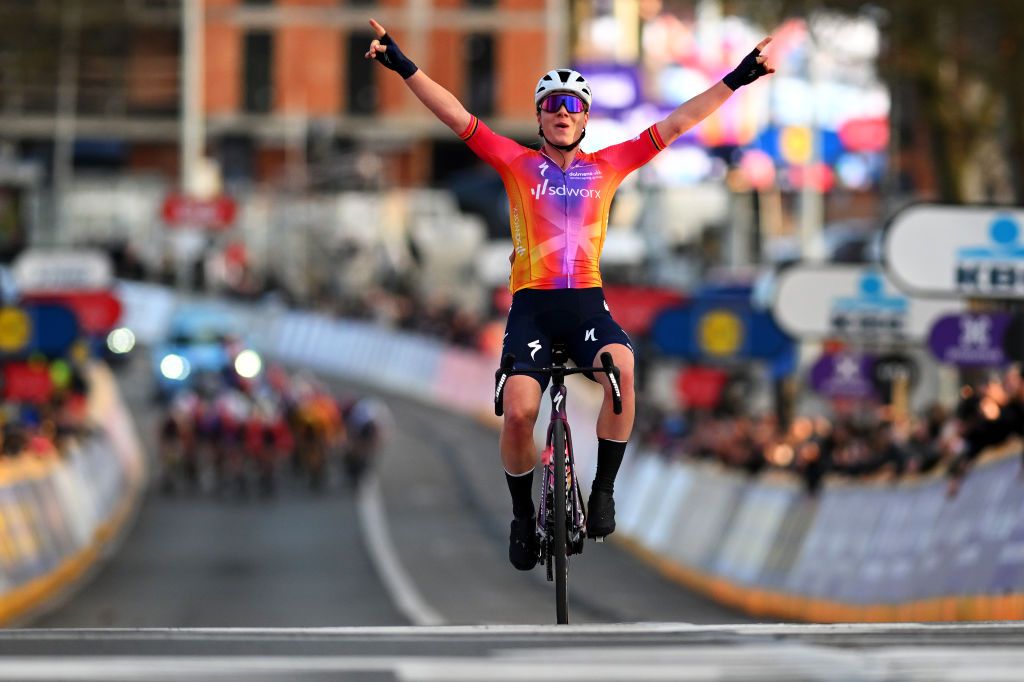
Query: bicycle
x=561, y=520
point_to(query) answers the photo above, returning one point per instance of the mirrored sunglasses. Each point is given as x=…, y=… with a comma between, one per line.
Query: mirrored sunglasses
x=572, y=103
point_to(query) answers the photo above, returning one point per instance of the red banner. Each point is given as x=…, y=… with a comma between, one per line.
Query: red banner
x=865, y=134
x=701, y=387
x=96, y=311
x=27, y=382
x=635, y=308
x=217, y=213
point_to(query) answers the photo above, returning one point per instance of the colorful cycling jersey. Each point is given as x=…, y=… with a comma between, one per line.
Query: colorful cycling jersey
x=559, y=218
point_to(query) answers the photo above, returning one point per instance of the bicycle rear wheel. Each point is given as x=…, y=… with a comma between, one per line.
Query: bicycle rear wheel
x=559, y=549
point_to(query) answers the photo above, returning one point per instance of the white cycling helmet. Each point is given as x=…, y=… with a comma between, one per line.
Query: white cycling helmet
x=563, y=80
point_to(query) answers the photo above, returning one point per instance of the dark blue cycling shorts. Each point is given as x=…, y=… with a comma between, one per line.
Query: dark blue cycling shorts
x=579, y=318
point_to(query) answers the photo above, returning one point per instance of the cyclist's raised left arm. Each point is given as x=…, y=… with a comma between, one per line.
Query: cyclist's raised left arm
x=442, y=103
x=696, y=109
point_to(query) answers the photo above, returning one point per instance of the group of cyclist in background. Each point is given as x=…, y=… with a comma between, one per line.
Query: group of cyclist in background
x=230, y=436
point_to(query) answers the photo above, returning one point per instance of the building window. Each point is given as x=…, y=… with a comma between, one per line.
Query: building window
x=259, y=60
x=481, y=4
x=480, y=73
x=361, y=86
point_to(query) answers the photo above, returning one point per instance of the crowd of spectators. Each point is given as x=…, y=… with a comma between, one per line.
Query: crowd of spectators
x=873, y=442
x=46, y=427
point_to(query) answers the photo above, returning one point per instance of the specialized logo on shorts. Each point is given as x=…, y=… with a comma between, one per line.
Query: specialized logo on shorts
x=590, y=335
x=535, y=345
x=606, y=306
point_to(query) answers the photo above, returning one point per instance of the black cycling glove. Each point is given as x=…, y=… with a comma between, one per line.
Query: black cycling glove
x=747, y=72
x=393, y=58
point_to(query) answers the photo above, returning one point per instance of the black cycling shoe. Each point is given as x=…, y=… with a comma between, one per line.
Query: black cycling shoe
x=600, y=514
x=522, y=544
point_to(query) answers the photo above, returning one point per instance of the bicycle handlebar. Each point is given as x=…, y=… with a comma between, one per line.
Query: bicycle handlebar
x=508, y=362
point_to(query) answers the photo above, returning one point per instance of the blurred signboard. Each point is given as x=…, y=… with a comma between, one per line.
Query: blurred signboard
x=844, y=375
x=36, y=328
x=970, y=339
x=27, y=381
x=719, y=328
x=701, y=387
x=97, y=311
x=971, y=251
x=853, y=302
x=38, y=270
x=635, y=308
x=618, y=84
x=217, y=213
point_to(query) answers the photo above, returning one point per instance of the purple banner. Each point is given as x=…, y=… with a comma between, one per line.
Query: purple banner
x=844, y=375
x=970, y=339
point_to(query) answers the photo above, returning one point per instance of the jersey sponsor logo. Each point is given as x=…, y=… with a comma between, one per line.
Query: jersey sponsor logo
x=517, y=232
x=543, y=167
x=591, y=334
x=534, y=346
x=544, y=189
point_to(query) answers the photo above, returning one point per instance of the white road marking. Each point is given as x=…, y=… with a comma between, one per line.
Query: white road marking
x=377, y=536
x=779, y=661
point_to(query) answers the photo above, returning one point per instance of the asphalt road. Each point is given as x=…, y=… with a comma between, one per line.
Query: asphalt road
x=308, y=588
x=301, y=560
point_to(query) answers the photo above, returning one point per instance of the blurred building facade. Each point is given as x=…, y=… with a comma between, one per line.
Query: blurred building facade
x=284, y=81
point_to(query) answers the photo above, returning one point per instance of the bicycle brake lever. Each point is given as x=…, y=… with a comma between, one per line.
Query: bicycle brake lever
x=613, y=376
x=500, y=377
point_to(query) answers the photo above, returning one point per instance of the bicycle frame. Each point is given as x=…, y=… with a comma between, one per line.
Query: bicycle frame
x=561, y=522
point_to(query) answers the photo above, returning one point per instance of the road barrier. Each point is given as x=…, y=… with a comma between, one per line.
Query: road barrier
x=858, y=551
x=59, y=512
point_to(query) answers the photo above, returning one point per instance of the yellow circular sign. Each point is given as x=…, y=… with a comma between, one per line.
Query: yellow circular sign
x=720, y=333
x=15, y=330
x=796, y=144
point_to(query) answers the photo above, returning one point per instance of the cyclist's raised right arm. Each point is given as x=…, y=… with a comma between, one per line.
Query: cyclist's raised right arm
x=434, y=96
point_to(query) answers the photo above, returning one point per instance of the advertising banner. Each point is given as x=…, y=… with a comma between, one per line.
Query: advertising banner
x=707, y=517
x=852, y=302
x=719, y=328
x=635, y=308
x=37, y=328
x=217, y=213
x=96, y=311
x=784, y=550
x=844, y=375
x=745, y=549
x=38, y=270
x=970, y=339
x=971, y=251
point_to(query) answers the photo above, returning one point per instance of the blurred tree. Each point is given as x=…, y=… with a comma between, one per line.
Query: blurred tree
x=954, y=69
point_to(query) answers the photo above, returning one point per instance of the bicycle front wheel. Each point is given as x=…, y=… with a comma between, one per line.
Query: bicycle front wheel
x=560, y=550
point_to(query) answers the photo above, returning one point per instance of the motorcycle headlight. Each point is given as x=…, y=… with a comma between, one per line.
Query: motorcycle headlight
x=121, y=341
x=248, y=364
x=175, y=367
